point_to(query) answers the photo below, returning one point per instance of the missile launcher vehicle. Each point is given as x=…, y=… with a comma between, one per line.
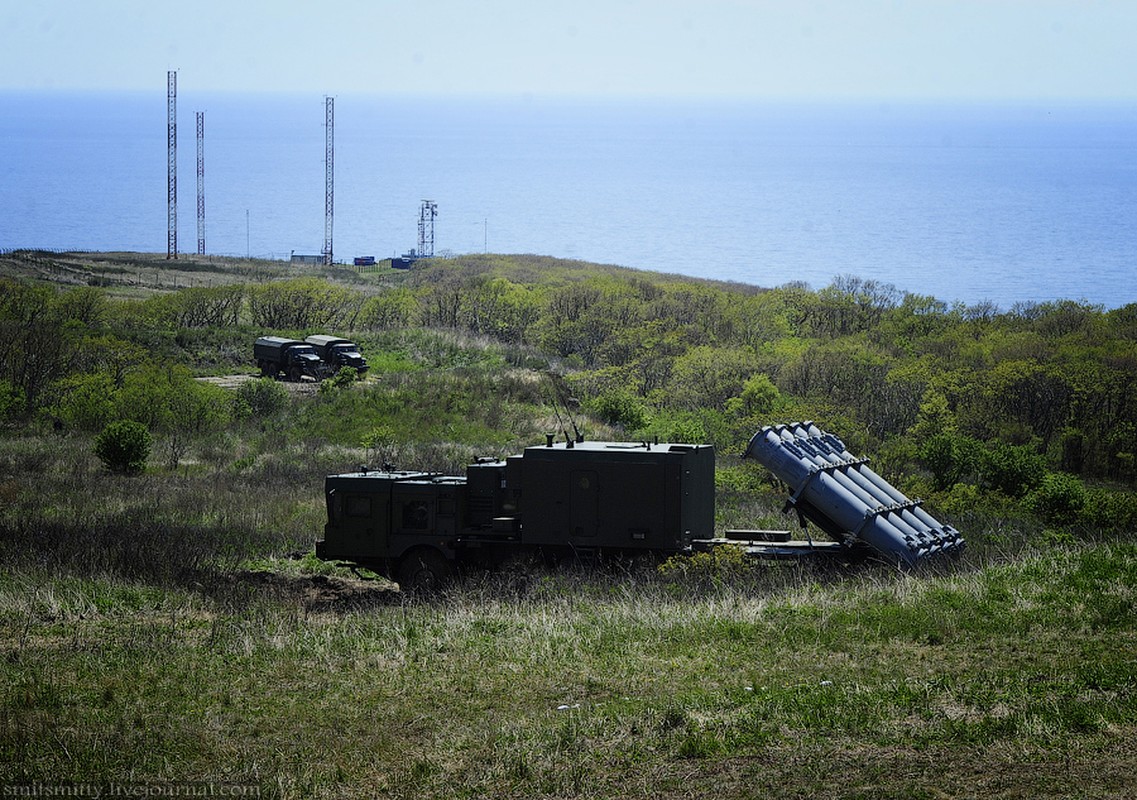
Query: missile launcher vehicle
x=594, y=499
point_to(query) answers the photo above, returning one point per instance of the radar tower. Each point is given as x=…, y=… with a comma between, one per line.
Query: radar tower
x=427, y=212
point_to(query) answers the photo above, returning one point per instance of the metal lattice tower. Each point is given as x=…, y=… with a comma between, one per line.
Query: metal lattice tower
x=427, y=212
x=201, y=183
x=172, y=164
x=329, y=178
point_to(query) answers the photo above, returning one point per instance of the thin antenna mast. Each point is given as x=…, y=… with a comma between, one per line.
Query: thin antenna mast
x=559, y=398
x=329, y=178
x=558, y=390
x=201, y=183
x=172, y=164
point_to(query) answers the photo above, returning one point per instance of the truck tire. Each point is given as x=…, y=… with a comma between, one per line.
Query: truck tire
x=424, y=572
x=294, y=374
x=266, y=370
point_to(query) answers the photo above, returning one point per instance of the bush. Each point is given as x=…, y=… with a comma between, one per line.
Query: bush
x=950, y=458
x=86, y=402
x=1058, y=499
x=344, y=378
x=759, y=397
x=263, y=396
x=124, y=446
x=960, y=499
x=1110, y=510
x=713, y=568
x=380, y=444
x=687, y=429
x=11, y=400
x=621, y=408
x=679, y=426
x=1013, y=470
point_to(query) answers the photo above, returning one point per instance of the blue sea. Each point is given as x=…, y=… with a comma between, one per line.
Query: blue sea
x=967, y=203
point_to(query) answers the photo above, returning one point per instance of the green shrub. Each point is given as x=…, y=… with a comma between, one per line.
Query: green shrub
x=124, y=446
x=1110, y=510
x=621, y=408
x=687, y=429
x=1013, y=470
x=960, y=499
x=714, y=567
x=759, y=396
x=344, y=378
x=11, y=400
x=950, y=458
x=745, y=478
x=263, y=396
x=1059, y=498
x=380, y=443
x=85, y=401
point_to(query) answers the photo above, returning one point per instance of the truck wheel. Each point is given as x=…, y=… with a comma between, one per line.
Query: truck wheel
x=263, y=365
x=424, y=572
x=294, y=374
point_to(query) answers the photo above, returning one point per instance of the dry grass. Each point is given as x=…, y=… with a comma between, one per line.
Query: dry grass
x=581, y=684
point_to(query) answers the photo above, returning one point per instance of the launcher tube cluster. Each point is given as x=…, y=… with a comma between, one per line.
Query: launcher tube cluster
x=845, y=498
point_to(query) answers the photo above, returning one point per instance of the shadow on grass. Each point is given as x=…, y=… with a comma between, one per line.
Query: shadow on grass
x=136, y=546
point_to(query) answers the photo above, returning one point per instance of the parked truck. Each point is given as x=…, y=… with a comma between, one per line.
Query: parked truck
x=337, y=353
x=290, y=358
x=588, y=499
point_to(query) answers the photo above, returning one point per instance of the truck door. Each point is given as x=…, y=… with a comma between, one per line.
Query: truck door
x=584, y=504
x=360, y=524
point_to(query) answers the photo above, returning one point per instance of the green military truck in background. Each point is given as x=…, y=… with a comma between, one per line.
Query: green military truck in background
x=337, y=352
x=288, y=358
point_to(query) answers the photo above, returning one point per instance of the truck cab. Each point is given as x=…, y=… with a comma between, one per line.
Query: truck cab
x=337, y=352
x=395, y=523
x=276, y=355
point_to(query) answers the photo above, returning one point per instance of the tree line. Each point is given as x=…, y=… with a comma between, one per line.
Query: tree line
x=656, y=354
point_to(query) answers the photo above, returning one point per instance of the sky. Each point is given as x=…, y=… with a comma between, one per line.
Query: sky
x=985, y=50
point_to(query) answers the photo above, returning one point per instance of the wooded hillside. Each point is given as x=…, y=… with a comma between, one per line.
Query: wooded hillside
x=1035, y=403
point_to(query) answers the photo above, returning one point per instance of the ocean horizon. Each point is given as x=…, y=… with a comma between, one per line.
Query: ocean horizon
x=968, y=203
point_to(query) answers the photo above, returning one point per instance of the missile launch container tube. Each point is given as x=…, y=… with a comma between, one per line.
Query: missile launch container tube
x=842, y=496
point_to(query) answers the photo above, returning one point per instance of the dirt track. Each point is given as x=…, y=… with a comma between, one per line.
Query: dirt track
x=317, y=593
x=233, y=381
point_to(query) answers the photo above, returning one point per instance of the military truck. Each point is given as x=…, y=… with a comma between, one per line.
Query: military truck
x=336, y=352
x=290, y=358
x=570, y=498
x=592, y=499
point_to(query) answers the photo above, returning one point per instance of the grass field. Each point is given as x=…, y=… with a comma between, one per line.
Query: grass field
x=1006, y=680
